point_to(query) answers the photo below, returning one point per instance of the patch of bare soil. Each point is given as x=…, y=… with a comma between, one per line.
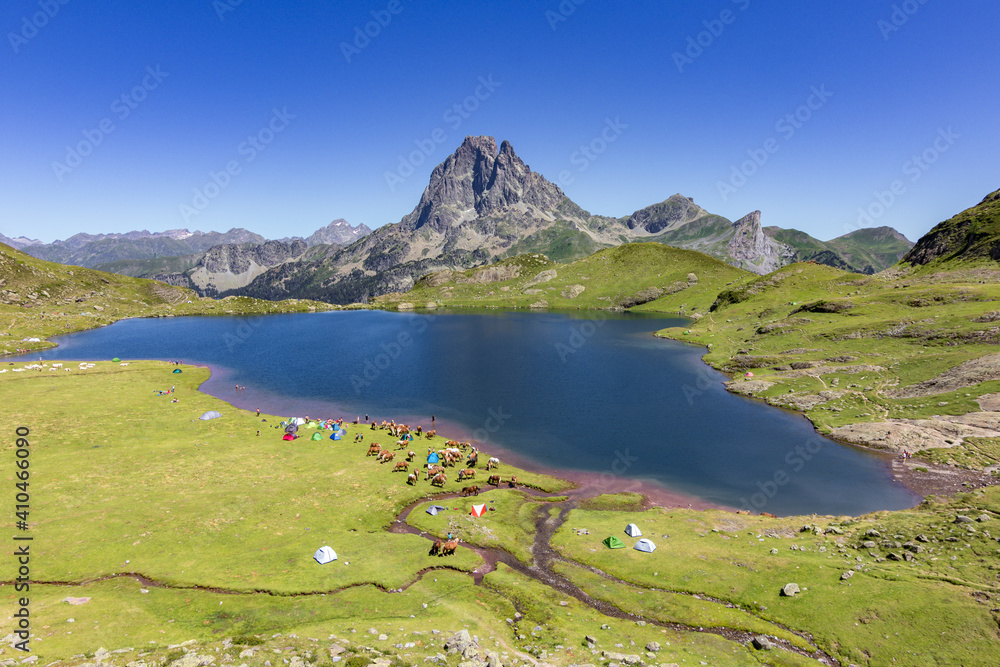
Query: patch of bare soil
x=967, y=374
x=939, y=480
x=914, y=435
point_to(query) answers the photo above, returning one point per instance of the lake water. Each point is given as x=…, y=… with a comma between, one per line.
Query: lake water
x=555, y=390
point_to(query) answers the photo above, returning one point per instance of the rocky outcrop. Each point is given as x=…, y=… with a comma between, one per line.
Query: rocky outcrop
x=228, y=267
x=972, y=234
x=338, y=232
x=753, y=250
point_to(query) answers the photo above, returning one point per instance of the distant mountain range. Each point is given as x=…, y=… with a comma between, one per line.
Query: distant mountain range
x=482, y=203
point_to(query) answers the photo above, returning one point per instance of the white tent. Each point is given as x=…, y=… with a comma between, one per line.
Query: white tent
x=325, y=555
x=298, y=421
x=211, y=414
x=632, y=530
x=645, y=545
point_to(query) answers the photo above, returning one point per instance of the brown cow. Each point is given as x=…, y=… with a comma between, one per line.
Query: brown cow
x=448, y=548
x=401, y=466
x=374, y=449
x=468, y=473
x=439, y=479
x=470, y=490
x=494, y=480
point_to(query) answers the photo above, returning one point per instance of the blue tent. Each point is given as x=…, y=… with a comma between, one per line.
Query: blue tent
x=336, y=427
x=335, y=436
x=433, y=458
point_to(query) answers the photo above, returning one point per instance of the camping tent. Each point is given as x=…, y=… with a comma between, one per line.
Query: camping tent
x=298, y=421
x=291, y=428
x=434, y=509
x=288, y=436
x=336, y=436
x=614, y=543
x=433, y=458
x=211, y=414
x=312, y=425
x=325, y=555
x=177, y=370
x=116, y=359
x=645, y=545
x=336, y=427
x=632, y=530
x=317, y=436
x=478, y=510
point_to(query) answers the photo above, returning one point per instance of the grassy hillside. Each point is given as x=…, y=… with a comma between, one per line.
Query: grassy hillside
x=138, y=268
x=971, y=236
x=39, y=299
x=665, y=278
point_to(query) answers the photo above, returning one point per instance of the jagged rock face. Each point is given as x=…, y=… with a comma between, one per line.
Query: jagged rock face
x=752, y=249
x=478, y=181
x=338, y=232
x=669, y=214
x=237, y=258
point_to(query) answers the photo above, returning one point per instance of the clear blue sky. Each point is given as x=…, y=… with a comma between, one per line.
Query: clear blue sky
x=887, y=80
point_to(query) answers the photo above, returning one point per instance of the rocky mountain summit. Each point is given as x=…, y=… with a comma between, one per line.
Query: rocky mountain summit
x=751, y=249
x=338, y=232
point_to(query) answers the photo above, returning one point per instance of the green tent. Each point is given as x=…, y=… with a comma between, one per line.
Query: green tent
x=116, y=359
x=317, y=436
x=614, y=543
x=177, y=370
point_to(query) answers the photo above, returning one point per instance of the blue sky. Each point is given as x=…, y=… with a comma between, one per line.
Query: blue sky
x=280, y=117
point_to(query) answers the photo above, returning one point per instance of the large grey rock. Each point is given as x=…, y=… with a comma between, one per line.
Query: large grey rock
x=762, y=643
x=788, y=590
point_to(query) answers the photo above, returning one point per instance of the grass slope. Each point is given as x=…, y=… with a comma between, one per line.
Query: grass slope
x=39, y=299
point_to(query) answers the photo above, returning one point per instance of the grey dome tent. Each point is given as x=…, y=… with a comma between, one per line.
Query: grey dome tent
x=632, y=530
x=211, y=414
x=291, y=428
x=325, y=555
x=645, y=545
x=434, y=509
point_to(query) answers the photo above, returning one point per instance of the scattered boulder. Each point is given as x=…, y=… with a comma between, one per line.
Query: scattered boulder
x=982, y=518
x=961, y=518
x=847, y=575
x=542, y=303
x=653, y=646
x=692, y=279
x=762, y=643
x=542, y=277
x=572, y=291
x=789, y=590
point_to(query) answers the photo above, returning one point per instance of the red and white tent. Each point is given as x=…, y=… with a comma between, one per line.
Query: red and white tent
x=478, y=510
